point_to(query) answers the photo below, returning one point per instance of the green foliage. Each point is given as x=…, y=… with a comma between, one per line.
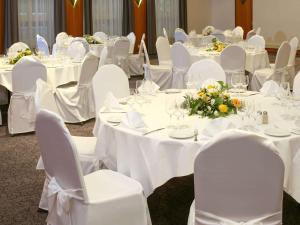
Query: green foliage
x=21, y=54
x=91, y=40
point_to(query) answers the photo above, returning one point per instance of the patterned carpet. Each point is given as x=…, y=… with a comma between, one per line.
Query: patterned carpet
x=21, y=185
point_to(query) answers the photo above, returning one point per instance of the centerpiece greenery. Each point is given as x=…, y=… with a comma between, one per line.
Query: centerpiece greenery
x=20, y=55
x=217, y=45
x=91, y=40
x=212, y=101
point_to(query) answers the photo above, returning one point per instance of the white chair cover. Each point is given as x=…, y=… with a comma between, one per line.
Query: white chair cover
x=163, y=51
x=238, y=32
x=15, y=48
x=136, y=61
x=61, y=38
x=120, y=54
x=277, y=73
x=207, y=40
x=103, y=57
x=250, y=34
x=84, y=43
x=219, y=35
x=228, y=187
x=21, y=111
x=42, y=45
x=159, y=74
x=257, y=41
x=76, y=51
x=258, y=30
x=205, y=69
x=109, y=78
x=76, y=103
x=75, y=199
x=291, y=64
x=61, y=45
x=296, y=85
x=165, y=34
x=131, y=37
x=180, y=35
x=101, y=36
x=181, y=60
x=233, y=60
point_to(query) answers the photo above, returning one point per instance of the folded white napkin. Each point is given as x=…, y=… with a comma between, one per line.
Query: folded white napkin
x=217, y=126
x=133, y=120
x=111, y=102
x=270, y=88
x=148, y=87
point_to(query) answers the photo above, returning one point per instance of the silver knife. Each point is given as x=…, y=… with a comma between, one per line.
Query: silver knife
x=152, y=131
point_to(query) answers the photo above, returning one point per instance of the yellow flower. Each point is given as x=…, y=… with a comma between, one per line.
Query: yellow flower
x=201, y=93
x=236, y=102
x=223, y=108
x=210, y=86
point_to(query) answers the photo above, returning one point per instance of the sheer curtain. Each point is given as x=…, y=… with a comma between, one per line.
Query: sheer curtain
x=167, y=16
x=36, y=17
x=107, y=16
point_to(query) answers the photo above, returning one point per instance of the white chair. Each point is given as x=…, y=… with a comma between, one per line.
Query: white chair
x=277, y=73
x=136, y=61
x=84, y=43
x=180, y=35
x=75, y=103
x=120, y=53
x=159, y=74
x=165, y=33
x=205, y=69
x=76, y=51
x=238, y=32
x=232, y=174
x=15, y=48
x=233, y=60
x=61, y=38
x=101, y=36
x=257, y=41
x=181, y=61
x=205, y=40
x=42, y=45
x=62, y=42
x=250, y=34
x=296, y=85
x=258, y=30
x=103, y=57
x=163, y=51
x=73, y=198
x=131, y=37
x=291, y=64
x=219, y=35
x=21, y=111
x=109, y=78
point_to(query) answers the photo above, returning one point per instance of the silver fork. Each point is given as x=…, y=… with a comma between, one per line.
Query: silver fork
x=196, y=135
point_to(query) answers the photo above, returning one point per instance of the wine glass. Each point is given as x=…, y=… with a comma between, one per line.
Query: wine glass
x=244, y=82
x=170, y=109
x=236, y=81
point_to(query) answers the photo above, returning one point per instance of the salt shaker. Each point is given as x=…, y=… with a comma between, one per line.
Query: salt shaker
x=265, y=119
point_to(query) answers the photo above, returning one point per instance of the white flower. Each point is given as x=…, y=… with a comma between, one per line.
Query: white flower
x=212, y=102
x=211, y=84
x=208, y=30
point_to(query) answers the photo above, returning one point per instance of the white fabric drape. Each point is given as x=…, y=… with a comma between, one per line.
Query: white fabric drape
x=107, y=16
x=167, y=16
x=36, y=17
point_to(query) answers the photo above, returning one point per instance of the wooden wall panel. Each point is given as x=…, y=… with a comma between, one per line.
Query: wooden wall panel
x=140, y=22
x=244, y=14
x=74, y=18
x=1, y=26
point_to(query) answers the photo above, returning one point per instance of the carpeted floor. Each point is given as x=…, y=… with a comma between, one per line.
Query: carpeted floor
x=21, y=185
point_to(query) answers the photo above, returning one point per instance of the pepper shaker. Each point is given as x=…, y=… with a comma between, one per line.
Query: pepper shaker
x=265, y=119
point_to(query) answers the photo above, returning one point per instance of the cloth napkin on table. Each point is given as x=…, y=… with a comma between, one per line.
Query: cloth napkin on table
x=134, y=120
x=217, y=126
x=111, y=102
x=270, y=89
x=148, y=87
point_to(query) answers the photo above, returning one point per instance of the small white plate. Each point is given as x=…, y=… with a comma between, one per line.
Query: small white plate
x=114, y=119
x=277, y=132
x=172, y=91
x=181, y=133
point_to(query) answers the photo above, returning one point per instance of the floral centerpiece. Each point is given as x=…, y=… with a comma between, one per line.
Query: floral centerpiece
x=208, y=30
x=218, y=46
x=91, y=39
x=20, y=55
x=212, y=101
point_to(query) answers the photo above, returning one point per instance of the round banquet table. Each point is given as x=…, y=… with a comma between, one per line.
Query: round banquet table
x=155, y=158
x=59, y=72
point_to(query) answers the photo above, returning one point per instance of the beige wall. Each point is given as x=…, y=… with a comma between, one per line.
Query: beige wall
x=278, y=19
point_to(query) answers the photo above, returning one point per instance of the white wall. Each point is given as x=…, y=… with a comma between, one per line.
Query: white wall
x=223, y=14
x=279, y=20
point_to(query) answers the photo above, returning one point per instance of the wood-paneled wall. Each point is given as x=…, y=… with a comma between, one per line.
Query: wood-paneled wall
x=140, y=22
x=74, y=18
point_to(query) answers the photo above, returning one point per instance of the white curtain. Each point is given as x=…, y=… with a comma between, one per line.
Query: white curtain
x=107, y=16
x=36, y=17
x=167, y=16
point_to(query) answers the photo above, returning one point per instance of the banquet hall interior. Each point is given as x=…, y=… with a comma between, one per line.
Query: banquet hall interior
x=149, y=112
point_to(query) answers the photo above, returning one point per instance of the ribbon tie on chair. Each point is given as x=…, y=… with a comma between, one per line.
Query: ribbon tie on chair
x=29, y=113
x=212, y=219
x=59, y=203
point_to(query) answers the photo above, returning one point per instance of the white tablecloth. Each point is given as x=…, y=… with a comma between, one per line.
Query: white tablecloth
x=57, y=74
x=155, y=158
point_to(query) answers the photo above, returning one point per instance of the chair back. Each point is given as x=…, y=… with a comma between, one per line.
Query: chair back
x=146, y=53
x=163, y=51
x=250, y=34
x=233, y=173
x=58, y=151
x=103, y=57
x=83, y=41
x=76, y=51
x=282, y=56
x=219, y=35
x=205, y=69
x=89, y=67
x=109, y=78
x=101, y=36
x=294, y=46
x=42, y=45
x=238, y=31
x=25, y=74
x=257, y=41
x=296, y=85
x=141, y=47
x=131, y=37
x=233, y=58
x=258, y=30
x=165, y=33
x=207, y=40
x=61, y=38
x=181, y=58
x=180, y=35
x=13, y=50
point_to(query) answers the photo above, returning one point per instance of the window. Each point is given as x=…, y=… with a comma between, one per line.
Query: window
x=107, y=16
x=167, y=16
x=36, y=17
